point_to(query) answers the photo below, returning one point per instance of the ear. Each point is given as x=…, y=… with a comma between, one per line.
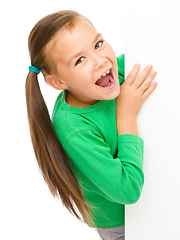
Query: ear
x=56, y=82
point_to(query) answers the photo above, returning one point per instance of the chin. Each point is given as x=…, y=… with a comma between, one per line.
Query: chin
x=115, y=94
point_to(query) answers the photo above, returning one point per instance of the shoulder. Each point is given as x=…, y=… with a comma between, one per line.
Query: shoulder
x=121, y=66
x=69, y=123
x=121, y=58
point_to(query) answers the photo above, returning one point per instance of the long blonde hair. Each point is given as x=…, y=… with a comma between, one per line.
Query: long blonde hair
x=52, y=160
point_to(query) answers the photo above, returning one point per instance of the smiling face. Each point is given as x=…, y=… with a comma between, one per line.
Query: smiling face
x=82, y=57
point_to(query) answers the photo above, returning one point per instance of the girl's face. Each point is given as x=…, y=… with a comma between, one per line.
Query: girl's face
x=82, y=56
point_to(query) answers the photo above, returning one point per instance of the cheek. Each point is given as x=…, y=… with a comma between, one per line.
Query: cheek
x=110, y=49
x=78, y=81
x=84, y=73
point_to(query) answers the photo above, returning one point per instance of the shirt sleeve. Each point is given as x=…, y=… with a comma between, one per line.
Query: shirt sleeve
x=118, y=179
x=121, y=66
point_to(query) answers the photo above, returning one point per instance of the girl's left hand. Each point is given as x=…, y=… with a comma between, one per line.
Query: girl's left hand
x=135, y=90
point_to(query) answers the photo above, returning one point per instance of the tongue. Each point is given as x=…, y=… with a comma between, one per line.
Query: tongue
x=104, y=81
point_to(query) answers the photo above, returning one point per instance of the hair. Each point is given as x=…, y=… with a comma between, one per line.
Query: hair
x=51, y=157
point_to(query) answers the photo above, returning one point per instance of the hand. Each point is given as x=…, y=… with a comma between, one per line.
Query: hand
x=133, y=93
x=135, y=90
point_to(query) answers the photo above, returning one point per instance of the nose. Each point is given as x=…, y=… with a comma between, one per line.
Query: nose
x=98, y=61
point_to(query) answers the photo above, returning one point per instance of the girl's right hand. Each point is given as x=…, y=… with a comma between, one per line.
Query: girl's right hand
x=133, y=93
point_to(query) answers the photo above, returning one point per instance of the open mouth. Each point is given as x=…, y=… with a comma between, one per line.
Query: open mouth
x=106, y=80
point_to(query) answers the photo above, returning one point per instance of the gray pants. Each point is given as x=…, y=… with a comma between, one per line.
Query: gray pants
x=112, y=233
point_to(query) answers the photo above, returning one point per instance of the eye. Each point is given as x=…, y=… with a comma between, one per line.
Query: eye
x=80, y=60
x=99, y=44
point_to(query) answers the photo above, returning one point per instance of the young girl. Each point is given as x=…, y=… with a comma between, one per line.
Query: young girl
x=90, y=154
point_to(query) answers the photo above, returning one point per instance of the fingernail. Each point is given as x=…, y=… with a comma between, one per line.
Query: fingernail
x=154, y=72
x=150, y=66
x=137, y=65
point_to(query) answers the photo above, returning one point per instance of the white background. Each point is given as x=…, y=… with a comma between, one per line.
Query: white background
x=27, y=209
x=152, y=35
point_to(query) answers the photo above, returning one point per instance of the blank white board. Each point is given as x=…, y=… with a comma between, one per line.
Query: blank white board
x=152, y=35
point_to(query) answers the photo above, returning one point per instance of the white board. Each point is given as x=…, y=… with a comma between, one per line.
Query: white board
x=152, y=35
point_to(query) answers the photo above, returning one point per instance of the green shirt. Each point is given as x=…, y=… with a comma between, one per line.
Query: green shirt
x=109, y=168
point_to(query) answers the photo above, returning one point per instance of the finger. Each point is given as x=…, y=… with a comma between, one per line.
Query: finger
x=148, y=92
x=132, y=75
x=145, y=85
x=142, y=76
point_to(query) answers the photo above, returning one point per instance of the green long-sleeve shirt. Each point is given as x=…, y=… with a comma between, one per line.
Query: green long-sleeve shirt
x=109, y=166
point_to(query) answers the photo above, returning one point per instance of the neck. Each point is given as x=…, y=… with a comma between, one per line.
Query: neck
x=77, y=102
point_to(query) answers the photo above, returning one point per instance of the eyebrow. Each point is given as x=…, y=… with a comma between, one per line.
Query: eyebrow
x=81, y=52
x=97, y=37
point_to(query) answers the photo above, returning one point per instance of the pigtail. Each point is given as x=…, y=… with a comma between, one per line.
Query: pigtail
x=51, y=158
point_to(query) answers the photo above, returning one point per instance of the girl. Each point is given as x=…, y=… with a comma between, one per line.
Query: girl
x=90, y=154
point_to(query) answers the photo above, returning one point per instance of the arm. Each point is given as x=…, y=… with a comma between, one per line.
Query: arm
x=133, y=93
x=118, y=179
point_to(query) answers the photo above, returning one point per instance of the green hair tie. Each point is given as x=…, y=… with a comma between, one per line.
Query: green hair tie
x=34, y=69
